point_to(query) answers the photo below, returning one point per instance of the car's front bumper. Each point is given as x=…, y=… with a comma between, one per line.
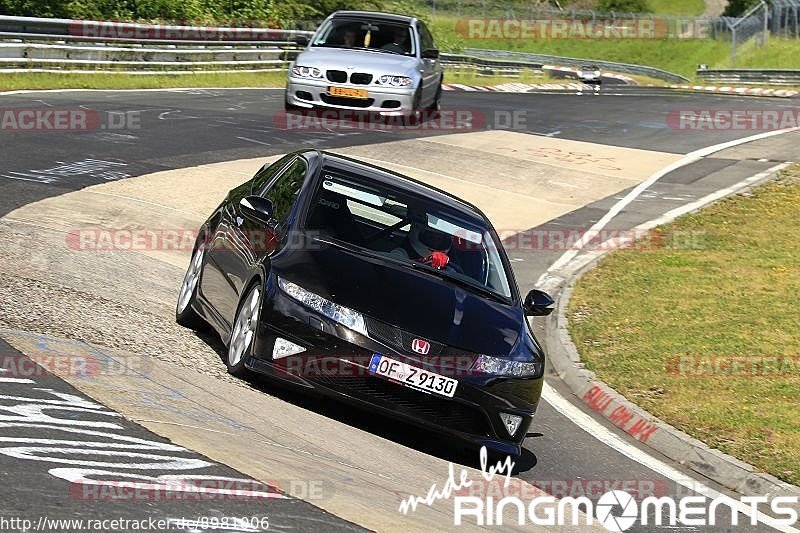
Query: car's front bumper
x=336, y=363
x=390, y=101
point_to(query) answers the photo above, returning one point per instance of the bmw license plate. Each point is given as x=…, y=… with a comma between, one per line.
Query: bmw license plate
x=412, y=376
x=347, y=92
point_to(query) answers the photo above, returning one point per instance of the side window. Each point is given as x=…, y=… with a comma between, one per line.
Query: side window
x=284, y=189
x=425, y=37
x=267, y=173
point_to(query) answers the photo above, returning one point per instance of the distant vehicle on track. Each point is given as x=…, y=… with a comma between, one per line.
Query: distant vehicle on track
x=366, y=61
x=590, y=74
x=373, y=288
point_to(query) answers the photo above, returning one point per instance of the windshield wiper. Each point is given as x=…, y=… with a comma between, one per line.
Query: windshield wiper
x=457, y=280
x=416, y=266
x=388, y=51
x=362, y=48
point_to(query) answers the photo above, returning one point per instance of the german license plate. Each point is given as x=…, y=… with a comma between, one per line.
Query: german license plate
x=347, y=92
x=412, y=376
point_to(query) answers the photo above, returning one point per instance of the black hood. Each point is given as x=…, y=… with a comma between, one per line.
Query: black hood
x=404, y=297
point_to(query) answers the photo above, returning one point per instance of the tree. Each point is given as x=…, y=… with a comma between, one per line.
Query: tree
x=736, y=8
x=623, y=6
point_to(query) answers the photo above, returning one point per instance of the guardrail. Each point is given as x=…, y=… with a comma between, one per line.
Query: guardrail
x=751, y=77
x=90, y=46
x=626, y=68
x=153, y=58
x=110, y=31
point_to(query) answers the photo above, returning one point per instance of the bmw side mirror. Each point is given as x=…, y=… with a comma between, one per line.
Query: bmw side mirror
x=300, y=40
x=430, y=53
x=538, y=303
x=257, y=209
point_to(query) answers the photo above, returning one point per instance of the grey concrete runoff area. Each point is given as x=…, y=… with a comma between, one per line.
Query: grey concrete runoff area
x=157, y=409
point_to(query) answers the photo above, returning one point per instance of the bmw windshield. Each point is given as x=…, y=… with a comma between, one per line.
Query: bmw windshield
x=409, y=229
x=365, y=34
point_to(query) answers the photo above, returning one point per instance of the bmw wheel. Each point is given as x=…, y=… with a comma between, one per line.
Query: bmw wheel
x=415, y=117
x=244, y=332
x=436, y=105
x=185, y=315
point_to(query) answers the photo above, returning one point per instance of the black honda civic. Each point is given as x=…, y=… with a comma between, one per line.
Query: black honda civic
x=371, y=287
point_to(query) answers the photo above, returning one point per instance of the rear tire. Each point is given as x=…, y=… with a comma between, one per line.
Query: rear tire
x=243, y=334
x=185, y=315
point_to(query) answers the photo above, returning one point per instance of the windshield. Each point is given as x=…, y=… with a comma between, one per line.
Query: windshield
x=409, y=229
x=366, y=34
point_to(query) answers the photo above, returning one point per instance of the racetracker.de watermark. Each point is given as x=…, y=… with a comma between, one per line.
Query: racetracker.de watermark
x=583, y=239
x=334, y=119
x=355, y=366
x=197, y=488
x=181, y=29
x=540, y=29
x=733, y=366
x=67, y=120
x=259, y=240
x=733, y=119
x=592, y=488
x=81, y=366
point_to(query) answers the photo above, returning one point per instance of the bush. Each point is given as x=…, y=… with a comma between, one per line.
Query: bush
x=736, y=8
x=623, y=6
x=283, y=11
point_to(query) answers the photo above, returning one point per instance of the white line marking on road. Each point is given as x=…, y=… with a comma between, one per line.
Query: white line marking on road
x=610, y=439
x=672, y=214
x=254, y=141
x=689, y=158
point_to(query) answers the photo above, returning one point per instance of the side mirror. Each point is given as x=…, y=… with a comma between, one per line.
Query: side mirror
x=430, y=53
x=257, y=209
x=538, y=303
x=300, y=40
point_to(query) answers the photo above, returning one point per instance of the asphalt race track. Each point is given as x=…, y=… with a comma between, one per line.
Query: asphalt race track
x=175, y=129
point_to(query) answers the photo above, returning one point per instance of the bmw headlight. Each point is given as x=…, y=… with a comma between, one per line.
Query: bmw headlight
x=307, y=72
x=394, y=81
x=338, y=313
x=486, y=364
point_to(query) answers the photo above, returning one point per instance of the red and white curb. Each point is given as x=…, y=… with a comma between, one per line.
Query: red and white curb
x=518, y=87
x=754, y=91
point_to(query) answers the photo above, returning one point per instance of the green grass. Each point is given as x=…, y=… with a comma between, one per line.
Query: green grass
x=718, y=283
x=685, y=8
x=681, y=56
x=35, y=80
x=779, y=53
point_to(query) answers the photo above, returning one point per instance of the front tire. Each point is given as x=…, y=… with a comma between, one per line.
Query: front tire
x=436, y=105
x=415, y=117
x=185, y=315
x=243, y=334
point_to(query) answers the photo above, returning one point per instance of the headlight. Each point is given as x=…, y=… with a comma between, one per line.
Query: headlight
x=307, y=72
x=503, y=367
x=338, y=313
x=395, y=81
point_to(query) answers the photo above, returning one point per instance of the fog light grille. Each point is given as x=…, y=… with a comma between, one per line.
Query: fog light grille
x=511, y=422
x=284, y=348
